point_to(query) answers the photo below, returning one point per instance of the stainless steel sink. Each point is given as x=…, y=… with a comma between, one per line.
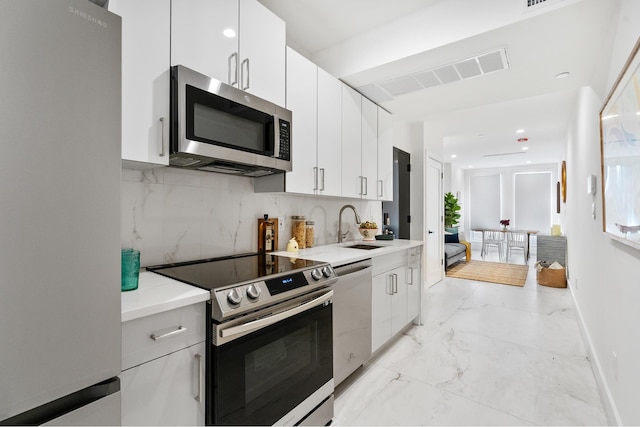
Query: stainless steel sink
x=363, y=246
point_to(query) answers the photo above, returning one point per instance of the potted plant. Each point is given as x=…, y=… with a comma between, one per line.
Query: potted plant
x=451, y=212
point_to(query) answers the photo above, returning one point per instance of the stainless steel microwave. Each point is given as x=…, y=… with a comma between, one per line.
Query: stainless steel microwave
x=218, y=128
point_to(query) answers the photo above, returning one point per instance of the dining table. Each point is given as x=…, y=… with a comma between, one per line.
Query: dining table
x=506, y=230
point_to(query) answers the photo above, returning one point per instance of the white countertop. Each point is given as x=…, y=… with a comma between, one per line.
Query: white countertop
x=339, y=253
x=156, y=294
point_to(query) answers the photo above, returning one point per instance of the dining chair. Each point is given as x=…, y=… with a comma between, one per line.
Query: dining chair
x=492, y=238
x=517, y=240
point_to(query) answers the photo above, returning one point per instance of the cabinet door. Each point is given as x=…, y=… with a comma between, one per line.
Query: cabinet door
x=384, y=185
x=352, y=181
x=369, y=149
x=302, y=101
x=381, y=295
x=166, y=391
x=145, y=79
x=329, y=134
x=399, y=303
x=262, y=52
x=204, y=37
x=414, y=283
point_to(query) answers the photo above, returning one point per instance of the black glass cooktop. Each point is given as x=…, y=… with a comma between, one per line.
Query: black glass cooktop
x=221, y=272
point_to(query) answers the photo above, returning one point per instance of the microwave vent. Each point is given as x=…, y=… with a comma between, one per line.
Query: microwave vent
x=184, y=162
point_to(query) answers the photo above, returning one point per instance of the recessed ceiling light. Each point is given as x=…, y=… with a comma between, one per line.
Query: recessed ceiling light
x=520, y=131
x=563, y=75
x=229, y=32
x=453, y=156
x=470, y=167
x=525, y=148
x=528, y=162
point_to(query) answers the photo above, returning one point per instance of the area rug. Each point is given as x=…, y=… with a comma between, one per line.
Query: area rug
x=494, y=272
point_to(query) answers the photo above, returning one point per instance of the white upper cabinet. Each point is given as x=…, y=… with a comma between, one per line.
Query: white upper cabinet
x=302, y=97
x=384, y=187
x=369, y=150
x=239, y=42
x=352, y=180
x=263, y=39
x=329, y=134
x=145, y=79
x=314, y=97
x=203, y=33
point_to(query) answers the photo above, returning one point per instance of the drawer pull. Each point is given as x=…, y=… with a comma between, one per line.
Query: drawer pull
x=179, y=330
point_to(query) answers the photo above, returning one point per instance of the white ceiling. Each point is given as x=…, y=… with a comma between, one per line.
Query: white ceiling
x=366, y=42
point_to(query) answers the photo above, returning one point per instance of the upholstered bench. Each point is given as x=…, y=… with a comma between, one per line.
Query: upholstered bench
x=455, y=249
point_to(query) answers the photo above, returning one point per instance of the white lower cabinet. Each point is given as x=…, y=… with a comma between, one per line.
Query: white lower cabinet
x=163, y=377
x=166, y=391
x=393, y=297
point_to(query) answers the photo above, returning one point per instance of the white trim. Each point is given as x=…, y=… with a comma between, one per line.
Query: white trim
x=609, y=406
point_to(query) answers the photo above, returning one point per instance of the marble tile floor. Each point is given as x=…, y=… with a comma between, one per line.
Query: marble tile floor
x=486, y=354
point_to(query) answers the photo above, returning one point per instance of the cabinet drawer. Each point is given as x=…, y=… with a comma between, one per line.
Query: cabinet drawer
x=173, y=330
x=389, y=262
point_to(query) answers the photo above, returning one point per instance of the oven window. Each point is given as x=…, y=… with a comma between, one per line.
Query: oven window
x=215, y=120
x=260, y=377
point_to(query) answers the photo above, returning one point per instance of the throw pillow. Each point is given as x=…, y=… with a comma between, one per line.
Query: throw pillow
x=451, y=238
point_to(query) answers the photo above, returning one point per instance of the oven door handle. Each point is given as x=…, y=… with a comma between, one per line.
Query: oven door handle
x=275, y=318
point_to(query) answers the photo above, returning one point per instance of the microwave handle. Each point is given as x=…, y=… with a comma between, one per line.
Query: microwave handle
x=235, y=73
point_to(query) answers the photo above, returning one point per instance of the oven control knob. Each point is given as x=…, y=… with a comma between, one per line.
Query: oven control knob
x=326, y=271
x=316, y=274
x=253, y=291
x=234, y=296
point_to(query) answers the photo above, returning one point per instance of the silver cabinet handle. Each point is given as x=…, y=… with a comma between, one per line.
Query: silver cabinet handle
x=366, y=184
x=162, y=137
x=245, y=61
x=395, y=283
x=235, y=74
x=361, y=181
x=410, y=276
x=315, y=178
x=389, y=289
x=322, y=179
x=380, y=182
x=177, y=331
x=200, y=393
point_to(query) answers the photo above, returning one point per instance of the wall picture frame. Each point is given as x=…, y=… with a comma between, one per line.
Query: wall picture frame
x=620, y=155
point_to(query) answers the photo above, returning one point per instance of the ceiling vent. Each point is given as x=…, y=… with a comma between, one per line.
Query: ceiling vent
x=504, y=154
x=467, y=68
x=531, y=5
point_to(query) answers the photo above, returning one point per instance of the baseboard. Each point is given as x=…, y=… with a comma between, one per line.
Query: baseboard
x=611, y=411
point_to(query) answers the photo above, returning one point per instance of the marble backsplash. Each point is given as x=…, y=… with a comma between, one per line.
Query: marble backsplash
x=174, y=215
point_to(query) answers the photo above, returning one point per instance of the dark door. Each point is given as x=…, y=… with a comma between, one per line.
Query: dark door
x=398, y=211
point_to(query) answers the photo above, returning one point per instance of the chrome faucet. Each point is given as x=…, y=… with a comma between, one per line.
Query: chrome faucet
x=340, y=236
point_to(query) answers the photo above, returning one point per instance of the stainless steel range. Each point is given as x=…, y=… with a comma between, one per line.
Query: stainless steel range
x=270, y=348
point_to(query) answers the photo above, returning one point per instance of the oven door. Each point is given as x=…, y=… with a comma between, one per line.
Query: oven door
x=277, y=370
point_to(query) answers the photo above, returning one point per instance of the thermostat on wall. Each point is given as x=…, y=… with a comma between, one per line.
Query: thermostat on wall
x=591, y=185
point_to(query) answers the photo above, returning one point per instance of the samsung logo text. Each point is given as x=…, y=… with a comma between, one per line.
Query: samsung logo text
x=88, y=17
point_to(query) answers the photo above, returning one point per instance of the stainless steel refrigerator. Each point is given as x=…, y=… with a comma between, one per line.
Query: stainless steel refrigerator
x=59, y=213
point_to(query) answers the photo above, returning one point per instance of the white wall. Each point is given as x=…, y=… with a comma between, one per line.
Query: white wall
x=603, y=274
x=409, y=137
x=508, y=194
